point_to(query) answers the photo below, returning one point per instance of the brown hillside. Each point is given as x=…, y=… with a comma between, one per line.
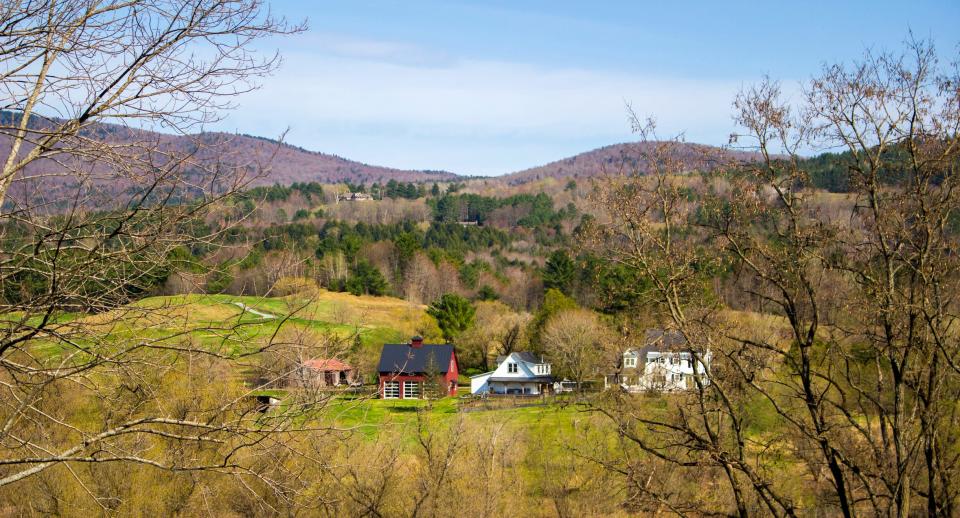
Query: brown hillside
x=623, y=158
x=261, y=161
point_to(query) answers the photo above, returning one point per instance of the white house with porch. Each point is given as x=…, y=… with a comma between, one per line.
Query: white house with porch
x=518, y=373
x=664, y=364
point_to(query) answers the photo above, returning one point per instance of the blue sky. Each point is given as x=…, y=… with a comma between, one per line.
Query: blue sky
x=491, y=87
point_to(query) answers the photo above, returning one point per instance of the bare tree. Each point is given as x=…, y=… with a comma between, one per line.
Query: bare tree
x=91, y=218
x=861, y=375
x=497, y=329
x=439, y=449
x=579, y=344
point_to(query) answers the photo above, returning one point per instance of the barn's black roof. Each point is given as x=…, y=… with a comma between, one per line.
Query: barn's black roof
x=404, y=359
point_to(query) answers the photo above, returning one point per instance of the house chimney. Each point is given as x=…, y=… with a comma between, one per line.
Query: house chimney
x=416, y=341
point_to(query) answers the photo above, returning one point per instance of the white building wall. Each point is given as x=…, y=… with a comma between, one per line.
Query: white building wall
x=478, y=384
x=525, y=371
x=661, y=372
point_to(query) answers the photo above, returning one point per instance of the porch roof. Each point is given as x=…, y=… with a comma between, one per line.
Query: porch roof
x=508, y=379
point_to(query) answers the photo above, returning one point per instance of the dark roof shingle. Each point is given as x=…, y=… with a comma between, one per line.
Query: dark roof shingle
x=404, y=359
x=511, y=379
x=658, y=340
x=523, y=356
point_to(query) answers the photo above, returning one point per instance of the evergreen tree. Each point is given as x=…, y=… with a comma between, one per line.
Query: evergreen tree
x=367, y=279
x=454, y=315
x=407, y=245
x=559, y=272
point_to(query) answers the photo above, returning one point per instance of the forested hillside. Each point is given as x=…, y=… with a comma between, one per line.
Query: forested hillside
x=256, y=161
x=210, y=324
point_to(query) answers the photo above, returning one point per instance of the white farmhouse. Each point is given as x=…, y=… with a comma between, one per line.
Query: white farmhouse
x=664, y=363
x=519, y=373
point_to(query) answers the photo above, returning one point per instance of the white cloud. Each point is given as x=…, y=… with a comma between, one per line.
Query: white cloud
x=341, y=46
x=370, y=90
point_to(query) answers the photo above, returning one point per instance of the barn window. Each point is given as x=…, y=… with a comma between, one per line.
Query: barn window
x=411, y=389
x=391, y=389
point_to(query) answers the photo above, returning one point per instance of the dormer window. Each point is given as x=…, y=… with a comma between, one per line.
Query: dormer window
x=512, y=367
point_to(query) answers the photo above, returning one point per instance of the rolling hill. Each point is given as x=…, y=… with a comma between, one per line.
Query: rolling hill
x=263, y=161
x=618, y=158
x=266, y=162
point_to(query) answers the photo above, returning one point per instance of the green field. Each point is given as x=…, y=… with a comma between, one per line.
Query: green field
x=235, y=325
x=371, y=413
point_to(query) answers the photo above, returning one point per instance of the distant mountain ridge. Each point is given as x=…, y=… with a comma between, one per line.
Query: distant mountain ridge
x=275, y=162
x=270, y=160
x=297, y=164
x=617, y=158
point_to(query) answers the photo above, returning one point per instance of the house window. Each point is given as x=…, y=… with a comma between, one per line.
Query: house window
x=676, y=377
x=511, y=367
x=391, y=389
x=630, y=362
x=674, y=360
x=411, y=389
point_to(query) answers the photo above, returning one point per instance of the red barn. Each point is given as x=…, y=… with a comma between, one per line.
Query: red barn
x=405, y=369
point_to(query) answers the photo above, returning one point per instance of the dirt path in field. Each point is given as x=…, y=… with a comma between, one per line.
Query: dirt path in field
x=248, y=309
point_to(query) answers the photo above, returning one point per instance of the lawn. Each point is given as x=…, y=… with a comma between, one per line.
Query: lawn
x=371, y=416
x=232, y=325
x=225, y=324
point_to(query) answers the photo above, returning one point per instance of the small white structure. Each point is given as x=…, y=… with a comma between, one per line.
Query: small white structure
x=519, y=373
x=354, y=196
x=664, y=364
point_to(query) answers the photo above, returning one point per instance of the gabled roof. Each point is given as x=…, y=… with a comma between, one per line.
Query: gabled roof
x=327, y=364
x=665, y=339
x=405, y=359
x=658, y=340
x=528, y=357
x=523, y=356
x=511, y=379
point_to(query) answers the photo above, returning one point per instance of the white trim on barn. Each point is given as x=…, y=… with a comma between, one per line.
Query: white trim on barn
x=391, y=390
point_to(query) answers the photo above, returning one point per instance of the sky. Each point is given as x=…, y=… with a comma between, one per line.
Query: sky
x=492, y=87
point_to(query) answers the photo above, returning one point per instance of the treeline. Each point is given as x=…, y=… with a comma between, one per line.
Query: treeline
x=277, y=192
x=834, y=172
x=375, y=259
x=537, y=209
x=409, y=190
